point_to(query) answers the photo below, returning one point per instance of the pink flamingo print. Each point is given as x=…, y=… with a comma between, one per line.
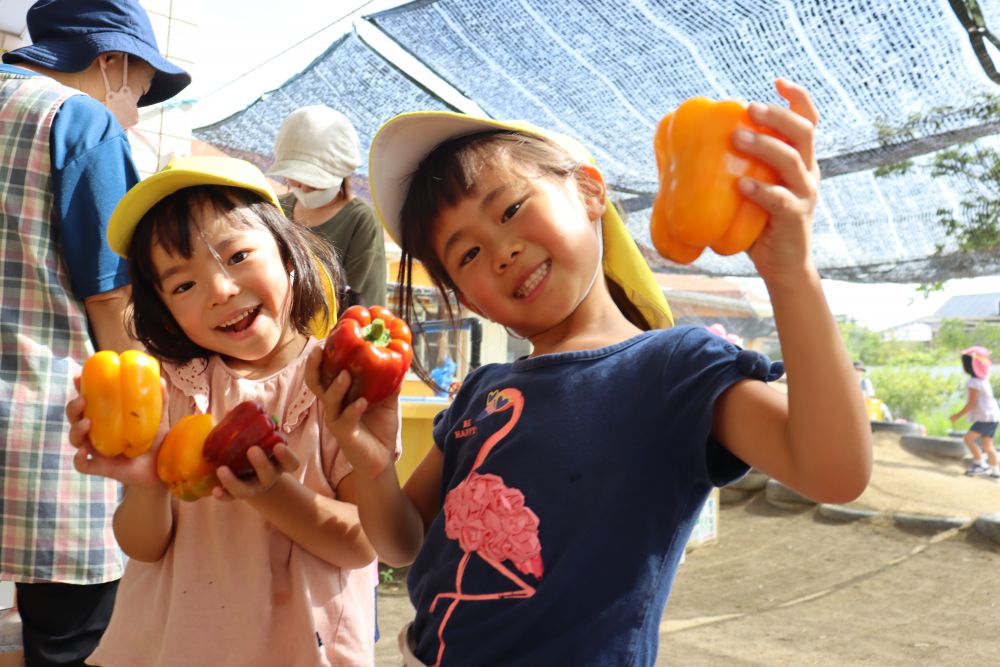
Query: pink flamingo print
x=490, y=519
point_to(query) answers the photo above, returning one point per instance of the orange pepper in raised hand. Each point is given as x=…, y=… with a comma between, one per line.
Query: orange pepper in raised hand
x=698, y=204
x=123, y=401
x=180, y=464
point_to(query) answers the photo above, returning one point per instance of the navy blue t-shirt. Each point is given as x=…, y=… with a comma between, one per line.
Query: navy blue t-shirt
x=571, y=484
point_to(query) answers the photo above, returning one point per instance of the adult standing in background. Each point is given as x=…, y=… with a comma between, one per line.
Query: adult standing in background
x=65, y=101
x=316, y=150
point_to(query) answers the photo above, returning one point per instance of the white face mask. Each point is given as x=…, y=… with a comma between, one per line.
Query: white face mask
x=122, y=103
x=316, y=198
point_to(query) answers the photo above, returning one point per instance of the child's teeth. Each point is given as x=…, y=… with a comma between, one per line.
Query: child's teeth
x=237, y=318
x=533, y=280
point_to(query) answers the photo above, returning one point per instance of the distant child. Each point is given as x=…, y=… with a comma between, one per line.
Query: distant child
x=546, y=526
x=983, y=411
x=224, y=291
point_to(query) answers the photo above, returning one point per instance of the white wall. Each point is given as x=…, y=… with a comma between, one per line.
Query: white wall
x=164, y=130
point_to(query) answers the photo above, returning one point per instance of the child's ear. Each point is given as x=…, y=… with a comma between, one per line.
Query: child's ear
x=590, y=183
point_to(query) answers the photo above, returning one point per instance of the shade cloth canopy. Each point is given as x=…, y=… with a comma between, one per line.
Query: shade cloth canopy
x=893, y=79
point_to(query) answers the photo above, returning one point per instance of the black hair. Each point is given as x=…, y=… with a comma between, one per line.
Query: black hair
x=967, y=365
x=169, y=224
x=450, y=173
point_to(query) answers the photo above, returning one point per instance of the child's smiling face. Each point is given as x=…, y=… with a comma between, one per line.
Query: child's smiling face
x=522, y=249
x=233, y=295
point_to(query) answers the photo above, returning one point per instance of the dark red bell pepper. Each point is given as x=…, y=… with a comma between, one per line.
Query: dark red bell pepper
x=245, y=426
x=374, y=346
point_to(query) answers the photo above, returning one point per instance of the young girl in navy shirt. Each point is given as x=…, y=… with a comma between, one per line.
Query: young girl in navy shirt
x=546, y=526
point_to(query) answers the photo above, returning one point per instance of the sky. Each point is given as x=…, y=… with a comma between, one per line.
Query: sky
x=250, y=49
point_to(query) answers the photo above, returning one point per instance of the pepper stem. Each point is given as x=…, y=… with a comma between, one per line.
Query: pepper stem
x=376, y=333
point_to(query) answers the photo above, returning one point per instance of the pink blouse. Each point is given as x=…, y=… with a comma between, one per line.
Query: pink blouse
x=232, y=590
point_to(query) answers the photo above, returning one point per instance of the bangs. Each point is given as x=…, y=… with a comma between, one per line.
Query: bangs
x=172, y=221
x=451, y=173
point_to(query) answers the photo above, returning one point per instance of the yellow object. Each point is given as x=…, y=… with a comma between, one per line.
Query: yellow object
x=124, y=401
x=319, y=325
x=405, y=140
x=876, y=410
x=699, y=203
x=180, y=173
x=180, y=464
x=418, y=434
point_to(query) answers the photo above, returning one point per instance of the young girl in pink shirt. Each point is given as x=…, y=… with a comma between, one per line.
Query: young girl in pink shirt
x=269, y=571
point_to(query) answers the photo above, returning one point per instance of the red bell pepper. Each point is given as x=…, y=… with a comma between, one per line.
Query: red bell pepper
x=245, y=426
x=374, y=346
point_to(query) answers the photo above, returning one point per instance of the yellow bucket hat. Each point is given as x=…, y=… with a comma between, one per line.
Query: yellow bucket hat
x=186, y=172
x=405, y=140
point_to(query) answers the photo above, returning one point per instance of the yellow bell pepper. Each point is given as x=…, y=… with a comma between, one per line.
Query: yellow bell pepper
x=698, y=204
x=180, y=464
x=124, y=401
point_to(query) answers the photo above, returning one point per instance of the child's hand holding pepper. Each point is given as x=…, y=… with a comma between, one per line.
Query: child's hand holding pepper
x=137, y=471
x=267, y=473
x=366, y=434
x=781, y=252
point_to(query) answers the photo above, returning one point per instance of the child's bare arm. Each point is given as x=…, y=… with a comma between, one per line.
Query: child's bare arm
x=368, y=439
x=328, y=528
x=818, y=441
x=969, y=403
x=144, y=522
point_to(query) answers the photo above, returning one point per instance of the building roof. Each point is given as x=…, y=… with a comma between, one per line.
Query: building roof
x=970, y=306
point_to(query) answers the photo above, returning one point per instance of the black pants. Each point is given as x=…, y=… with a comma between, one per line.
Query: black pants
x=61, y=624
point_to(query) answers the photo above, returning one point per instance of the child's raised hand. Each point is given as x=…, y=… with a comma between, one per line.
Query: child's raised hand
x=138, y=471
x=267, y=474
x=366, y=435
x=782, y=249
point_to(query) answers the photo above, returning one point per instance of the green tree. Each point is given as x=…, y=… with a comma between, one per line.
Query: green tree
x=952, y=336
x=862, y=343
x=910, y=392
x=987, y=335
x=975, y=222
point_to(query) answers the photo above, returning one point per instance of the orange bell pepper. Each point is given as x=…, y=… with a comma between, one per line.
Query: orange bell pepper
x=698, y=204
x=180, y=464
x=124, y=401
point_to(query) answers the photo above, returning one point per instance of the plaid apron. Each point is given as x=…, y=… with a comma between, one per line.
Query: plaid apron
x=55, y=523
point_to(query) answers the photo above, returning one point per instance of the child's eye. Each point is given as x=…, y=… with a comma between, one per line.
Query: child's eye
x=469, y=255
x=183, y=287
x=510, y=212
x=238, y=257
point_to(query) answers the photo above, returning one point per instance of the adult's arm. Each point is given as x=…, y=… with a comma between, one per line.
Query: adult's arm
x=107, y=312
x=92, y=168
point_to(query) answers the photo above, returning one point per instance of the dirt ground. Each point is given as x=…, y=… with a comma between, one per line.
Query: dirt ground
x=789, y=587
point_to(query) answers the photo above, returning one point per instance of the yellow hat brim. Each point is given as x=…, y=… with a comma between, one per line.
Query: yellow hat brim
x=180, y=173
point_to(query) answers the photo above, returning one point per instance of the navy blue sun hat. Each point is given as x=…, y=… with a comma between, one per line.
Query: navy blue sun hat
x=67, y=35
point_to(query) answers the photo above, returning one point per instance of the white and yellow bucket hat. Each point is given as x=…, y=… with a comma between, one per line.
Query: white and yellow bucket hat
x=405, y=140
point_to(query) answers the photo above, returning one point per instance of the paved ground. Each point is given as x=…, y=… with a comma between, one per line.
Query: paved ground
x=789, y=587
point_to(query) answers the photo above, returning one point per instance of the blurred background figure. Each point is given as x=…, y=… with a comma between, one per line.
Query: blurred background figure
x=316, y=150
x=983, y=411
x=866, y=385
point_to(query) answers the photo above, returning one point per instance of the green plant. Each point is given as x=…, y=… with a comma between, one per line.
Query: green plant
x=910, y=392
x=938, y=421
